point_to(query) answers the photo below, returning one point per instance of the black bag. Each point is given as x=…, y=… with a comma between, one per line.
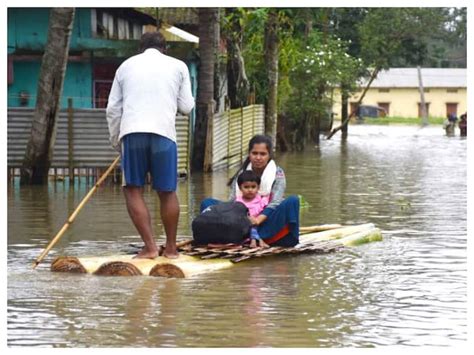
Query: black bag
x=226, y=222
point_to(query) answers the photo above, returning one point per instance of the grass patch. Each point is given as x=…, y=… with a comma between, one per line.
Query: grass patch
x=400, y=120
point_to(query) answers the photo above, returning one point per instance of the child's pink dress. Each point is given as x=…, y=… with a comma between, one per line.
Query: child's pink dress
x=255, y=206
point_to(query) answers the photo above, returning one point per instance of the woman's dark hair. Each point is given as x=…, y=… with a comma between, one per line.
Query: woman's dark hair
x=257, y=139
x=152, y=40
x=246, y=176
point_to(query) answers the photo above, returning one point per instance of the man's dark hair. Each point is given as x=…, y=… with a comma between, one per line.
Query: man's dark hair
x=248, y=175
x=152, y=40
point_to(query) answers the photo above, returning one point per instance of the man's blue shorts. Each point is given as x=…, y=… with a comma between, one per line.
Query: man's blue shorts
x=149, y=152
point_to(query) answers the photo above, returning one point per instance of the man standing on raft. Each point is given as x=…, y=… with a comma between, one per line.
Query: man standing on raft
x=148, y=90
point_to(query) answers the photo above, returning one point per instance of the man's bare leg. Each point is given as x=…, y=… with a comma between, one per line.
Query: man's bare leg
x=169, y=208
x=140, y=216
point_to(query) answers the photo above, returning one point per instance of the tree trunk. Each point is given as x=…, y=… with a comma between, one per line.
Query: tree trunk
x=271, y=60
x=282, y=140
x=218, y=67
x=39, y=151
x=344, y=115
x=238, y=86
x=208, y=18
x=317, y=130
x=361, y=98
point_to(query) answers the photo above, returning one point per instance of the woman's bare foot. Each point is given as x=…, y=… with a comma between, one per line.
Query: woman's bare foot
x=253, y=243
x=146, y=254
x=263, y=244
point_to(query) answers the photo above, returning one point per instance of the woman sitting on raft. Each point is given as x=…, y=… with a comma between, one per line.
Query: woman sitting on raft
x=278, y=223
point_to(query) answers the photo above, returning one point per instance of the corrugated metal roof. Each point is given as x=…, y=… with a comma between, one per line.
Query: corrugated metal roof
x=431, y=77
x=90, y=138
x=178, y=15
x=174, y=34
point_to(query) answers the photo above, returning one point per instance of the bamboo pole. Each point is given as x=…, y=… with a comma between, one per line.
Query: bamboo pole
x=334, y=233
x=75, y=213
x=362, y=237
x=318, y=228
x=127, y=265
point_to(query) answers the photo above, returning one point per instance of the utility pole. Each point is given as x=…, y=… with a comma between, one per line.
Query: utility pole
x=424, y=116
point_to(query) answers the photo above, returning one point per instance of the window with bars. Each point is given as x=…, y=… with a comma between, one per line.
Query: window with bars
x=108, y=26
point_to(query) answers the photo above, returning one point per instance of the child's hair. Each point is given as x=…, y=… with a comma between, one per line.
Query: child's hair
x=248, y=175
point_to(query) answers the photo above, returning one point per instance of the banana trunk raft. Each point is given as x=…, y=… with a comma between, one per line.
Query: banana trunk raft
x=194, y=260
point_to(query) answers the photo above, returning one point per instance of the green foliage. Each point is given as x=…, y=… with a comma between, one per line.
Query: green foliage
x=343, y=43
x=253, y=24
x=402, y=120
x=303, y=203
x=404, y=204
x=320, y=65
x=398, y=36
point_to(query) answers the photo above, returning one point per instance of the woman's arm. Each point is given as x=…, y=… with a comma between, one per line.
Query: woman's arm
x=256, y=221
x=277, y=193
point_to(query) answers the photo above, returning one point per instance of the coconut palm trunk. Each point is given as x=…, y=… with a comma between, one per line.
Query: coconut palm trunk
x=208, y=19
x=39, y=151
x=271, y=60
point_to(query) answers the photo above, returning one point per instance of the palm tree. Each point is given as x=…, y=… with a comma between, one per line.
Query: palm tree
x=271, y=60
x=39, y=151
x=208, y=35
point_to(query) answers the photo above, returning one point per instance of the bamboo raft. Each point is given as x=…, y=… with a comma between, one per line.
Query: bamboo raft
x=195, y=260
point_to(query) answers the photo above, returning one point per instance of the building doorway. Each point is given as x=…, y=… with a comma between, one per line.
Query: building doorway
x=452, y=109
x=103, y=77
x=386, y=108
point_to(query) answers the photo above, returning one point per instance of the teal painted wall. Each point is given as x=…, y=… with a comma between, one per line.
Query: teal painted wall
x=28, y=28
x=27, y=33
x=77, y=84
x=193, y=74
x=25, y=76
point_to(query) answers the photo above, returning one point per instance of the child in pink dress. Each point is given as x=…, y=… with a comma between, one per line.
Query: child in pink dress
x=249, y=183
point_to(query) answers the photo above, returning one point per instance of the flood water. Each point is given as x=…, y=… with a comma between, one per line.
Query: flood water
x=410, y=289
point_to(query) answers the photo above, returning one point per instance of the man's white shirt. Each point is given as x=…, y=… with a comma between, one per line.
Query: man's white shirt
x=148, y=90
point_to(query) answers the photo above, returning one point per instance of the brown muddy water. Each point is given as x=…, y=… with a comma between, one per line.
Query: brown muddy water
x=410, y=289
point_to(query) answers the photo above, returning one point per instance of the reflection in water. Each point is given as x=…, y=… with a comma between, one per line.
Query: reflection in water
x=409, y=289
